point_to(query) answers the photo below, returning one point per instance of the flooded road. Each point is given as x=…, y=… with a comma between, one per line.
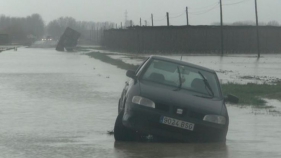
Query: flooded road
x=60, y=105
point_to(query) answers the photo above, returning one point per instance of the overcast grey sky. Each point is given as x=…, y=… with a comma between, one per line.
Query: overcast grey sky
x=202, y=12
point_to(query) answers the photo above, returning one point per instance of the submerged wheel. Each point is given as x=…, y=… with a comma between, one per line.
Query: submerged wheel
x=119, y=106
x=122, y=133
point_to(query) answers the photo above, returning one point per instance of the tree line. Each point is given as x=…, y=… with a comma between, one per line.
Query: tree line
x=22, y=29
x=91, y=32
x=25, y=30
x=249, y=23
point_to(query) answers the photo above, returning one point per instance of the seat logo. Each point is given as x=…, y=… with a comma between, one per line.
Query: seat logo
x=179, y=111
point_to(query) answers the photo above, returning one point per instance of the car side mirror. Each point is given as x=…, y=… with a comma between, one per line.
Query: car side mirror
x=231, y=98
x=131, y=74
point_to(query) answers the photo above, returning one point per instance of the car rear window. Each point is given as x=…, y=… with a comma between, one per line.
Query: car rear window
x=167, y=73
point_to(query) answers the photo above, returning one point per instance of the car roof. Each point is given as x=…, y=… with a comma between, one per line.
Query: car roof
x=182, y=63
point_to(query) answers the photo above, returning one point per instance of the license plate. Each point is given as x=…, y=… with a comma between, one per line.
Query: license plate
x=177, y=123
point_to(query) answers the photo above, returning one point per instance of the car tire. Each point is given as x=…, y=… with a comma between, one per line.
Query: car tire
x=122, y=133
x=119, y=106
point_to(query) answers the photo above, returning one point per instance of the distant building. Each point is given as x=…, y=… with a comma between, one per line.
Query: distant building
x=4, y=39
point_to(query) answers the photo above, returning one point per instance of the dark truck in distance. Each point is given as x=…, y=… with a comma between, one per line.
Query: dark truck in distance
x=172, y=99
x=68, y=40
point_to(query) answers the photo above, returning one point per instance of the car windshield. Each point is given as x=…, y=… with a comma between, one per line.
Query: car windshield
x=182, y=77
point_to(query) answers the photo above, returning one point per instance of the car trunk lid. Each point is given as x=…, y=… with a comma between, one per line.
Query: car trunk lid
x=168, y=99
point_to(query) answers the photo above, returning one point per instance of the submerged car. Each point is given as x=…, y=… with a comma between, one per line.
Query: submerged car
x=172, y=99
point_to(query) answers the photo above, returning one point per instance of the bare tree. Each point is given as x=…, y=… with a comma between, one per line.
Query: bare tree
x=273, y=23
x=19, y=29
x=90, y=31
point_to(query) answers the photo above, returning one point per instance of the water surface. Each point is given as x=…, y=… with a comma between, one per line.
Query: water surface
x=60, y=105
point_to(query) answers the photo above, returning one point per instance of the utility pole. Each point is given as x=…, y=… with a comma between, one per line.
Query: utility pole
x=145, y=23
x=222, y=48
x=121, y=25
x=131, y=23
x=97, y=35
x=257, y=28
x=126, y=19
x=152, y=19
x=168, y=23
x=92, y=33
x=187, y=23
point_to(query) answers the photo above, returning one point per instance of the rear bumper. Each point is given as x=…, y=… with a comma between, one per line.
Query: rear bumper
x=147, y=121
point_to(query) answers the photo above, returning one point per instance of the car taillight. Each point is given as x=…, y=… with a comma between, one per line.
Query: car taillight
x=143, y=101
x=215, y=119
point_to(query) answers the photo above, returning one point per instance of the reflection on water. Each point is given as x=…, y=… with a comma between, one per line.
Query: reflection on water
x=256, y=67
x=211, y=150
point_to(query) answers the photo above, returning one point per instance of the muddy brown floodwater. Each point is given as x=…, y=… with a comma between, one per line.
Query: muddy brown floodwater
x=61, y=105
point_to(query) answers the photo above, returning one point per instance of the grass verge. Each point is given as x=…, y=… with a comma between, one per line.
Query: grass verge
x=117, y=62
x=253, y=94
x=249, y=94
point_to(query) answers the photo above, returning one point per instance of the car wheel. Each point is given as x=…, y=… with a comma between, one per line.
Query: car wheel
x=119, y=106
x=122, y=133
x=222, y=138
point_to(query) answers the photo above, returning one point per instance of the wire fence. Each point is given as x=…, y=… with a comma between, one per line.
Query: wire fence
x=194, y=39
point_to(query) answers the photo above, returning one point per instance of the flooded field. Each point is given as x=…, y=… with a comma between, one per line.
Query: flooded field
x=238, y=68
x=58, y=105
